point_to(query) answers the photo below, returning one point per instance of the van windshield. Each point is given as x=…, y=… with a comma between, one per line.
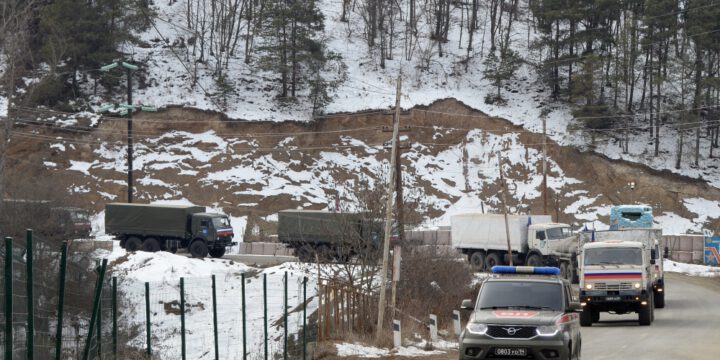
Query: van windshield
x=520, y=295
x=613, y=256
x=221, y=222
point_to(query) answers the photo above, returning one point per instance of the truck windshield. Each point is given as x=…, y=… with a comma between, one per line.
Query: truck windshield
x=558, y=233
x=221, y=222
x=520, y=295
x=613, y=256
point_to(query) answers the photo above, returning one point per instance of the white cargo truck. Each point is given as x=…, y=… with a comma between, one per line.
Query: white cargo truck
x=534, y=240
x=652, y=241
x=616, y=276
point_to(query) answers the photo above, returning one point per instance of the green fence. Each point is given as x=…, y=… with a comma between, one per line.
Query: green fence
x=37, y=273
x=258, y=315
x=232, y=316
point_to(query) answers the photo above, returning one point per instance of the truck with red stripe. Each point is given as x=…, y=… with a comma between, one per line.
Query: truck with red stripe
x=616, y=276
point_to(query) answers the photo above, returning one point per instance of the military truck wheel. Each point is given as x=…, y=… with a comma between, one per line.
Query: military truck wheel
x=659, y=299
x=492, y=259
x=133, y=244
x=477, y=261
x=534, y=260
x=151, y=245
x=586, y=318
x=217, y=252
x=645, y=315
x=198, y=249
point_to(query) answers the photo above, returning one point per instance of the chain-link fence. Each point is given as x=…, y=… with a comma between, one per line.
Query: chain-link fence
x=37, y=274
x=229, y=316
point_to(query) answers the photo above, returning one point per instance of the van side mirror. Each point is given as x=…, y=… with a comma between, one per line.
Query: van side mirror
x=467, y=304
x=652, y=261
x=653, y=254
x=666, y=253
x=575, y=307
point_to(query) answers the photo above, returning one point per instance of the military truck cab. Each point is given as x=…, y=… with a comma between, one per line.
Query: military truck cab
x=616, y=276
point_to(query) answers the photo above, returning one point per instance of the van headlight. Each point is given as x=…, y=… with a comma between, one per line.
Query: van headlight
x=637, y=285
x=477, y=328
x=547, y=330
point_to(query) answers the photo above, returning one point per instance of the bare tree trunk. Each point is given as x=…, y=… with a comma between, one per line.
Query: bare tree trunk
x=696, y=99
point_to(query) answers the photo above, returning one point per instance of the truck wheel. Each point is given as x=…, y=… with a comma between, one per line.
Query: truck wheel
x=324, y=253
x=595, y=316
x=570, y=272
x=492, y=259
x=217, y=252
x=133, y=244
x=151, y=245
x=645, y=315
x=659, y=299
x=563, y=270
x=586, y=317
x=198, y=249
x=534, y=260
x=477, y=261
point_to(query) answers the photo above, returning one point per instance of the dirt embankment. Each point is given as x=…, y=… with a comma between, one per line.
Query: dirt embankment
x=603, y=179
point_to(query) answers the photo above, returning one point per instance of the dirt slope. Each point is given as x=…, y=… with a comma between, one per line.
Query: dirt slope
x=603, y=179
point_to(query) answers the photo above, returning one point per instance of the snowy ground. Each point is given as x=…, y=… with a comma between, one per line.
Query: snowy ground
x=348, y=349
x=691, y=269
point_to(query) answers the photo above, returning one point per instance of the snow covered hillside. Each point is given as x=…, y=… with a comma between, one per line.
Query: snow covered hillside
x=427, y=78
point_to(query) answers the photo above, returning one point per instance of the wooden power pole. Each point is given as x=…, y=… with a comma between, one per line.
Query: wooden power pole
x=388, y=213
x=503, y=184
x=544, y=167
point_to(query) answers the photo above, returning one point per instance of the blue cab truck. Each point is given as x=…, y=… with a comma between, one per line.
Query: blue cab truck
x=153, y=228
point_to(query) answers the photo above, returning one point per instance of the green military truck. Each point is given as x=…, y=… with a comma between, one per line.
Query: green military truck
x=330, y=235
x=169, y=227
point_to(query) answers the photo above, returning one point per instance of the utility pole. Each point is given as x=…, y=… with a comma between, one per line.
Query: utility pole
x=129, y=68
x=503, y=185
x=388, y=213
x=544, y=165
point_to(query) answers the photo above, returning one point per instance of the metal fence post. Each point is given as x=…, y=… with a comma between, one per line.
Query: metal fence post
x=61, y=301
x=305, y=318
x=30, y=297
x=285, y=306
x=8, y=299
x=114, y=316
x=265, y=319
x=148, y=324
x=182, y=317
x=244, y=322
x=99, y=327
x=96, y=304
x=215, y=320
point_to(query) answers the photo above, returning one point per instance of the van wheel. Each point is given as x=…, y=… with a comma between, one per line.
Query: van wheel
x=133, y=244
x=151, y=245
x=493, y=259
x=217, y=252
x=477, y=261
x=198, y=249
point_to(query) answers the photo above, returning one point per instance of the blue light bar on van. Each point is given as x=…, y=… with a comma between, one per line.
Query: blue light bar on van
x=538, y=270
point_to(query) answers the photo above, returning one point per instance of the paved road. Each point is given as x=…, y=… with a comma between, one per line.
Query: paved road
x=687, y=328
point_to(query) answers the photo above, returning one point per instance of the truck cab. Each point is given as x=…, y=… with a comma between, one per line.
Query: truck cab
x=553, y=244
x=213, y=229
x=616, y=276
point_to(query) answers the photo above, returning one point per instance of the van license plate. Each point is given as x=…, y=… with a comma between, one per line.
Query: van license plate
x=612, y=298
x=511, y=351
